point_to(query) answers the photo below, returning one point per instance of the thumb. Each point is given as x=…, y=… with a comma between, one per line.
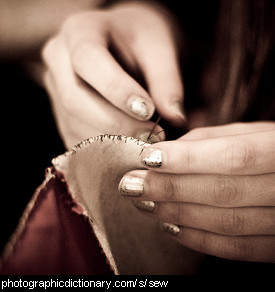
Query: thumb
x=161, y=70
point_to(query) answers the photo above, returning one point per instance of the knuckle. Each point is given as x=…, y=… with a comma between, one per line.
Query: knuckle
x=176, y=216
x=240, y=156
x=47, y=51
x=271, y=217
x=204, y=241
x=269, y=185
x=225, y=191
x=232, y=222
x=168, y=187
x=241, y=249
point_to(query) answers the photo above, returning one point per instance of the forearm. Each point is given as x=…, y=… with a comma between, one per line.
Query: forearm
x=26, y=24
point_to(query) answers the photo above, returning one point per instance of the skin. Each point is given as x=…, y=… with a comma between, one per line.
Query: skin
x=218, y=185
x=136, y=243
x=26, y=24
x=221, y=177
x=86, y=104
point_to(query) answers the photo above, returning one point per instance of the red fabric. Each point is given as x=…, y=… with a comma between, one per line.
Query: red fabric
x=57, y=238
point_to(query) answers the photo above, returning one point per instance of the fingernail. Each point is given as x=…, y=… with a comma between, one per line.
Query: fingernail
x=170, y=228
x=152, y=139
x=140, y=107
x=179, y=110
x=147, y=206
x=131, y=186
x=151, y=157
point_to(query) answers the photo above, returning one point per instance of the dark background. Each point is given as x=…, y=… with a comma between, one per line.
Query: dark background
x=29, y=138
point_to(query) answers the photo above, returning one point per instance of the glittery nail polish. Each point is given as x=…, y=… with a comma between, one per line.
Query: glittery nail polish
x=139, y=107
x=131, y=186
x=152, y=158
x=147, y=206
x=170, y=228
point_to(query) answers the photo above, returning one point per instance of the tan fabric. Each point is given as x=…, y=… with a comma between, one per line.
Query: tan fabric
x=132, y=242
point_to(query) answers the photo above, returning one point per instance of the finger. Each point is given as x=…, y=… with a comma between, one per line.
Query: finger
x=242, y=248
x=160, y=66
x=74, y=127
x=71, y=128
x=227, y=130
x=226, y=221
x=92, y=61
x=83, y=104
x=252, y=153
x=213, y=190
x=111, y=81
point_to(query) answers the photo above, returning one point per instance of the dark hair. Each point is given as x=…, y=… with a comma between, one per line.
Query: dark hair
x=238, y=83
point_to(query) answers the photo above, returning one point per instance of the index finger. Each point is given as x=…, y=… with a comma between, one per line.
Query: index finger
x=252, y=153
x=93, y=62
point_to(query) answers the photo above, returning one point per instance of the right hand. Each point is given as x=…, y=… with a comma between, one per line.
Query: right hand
x=92, y=93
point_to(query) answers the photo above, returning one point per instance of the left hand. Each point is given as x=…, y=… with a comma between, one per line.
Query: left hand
x=216, y=186
x=94, y=92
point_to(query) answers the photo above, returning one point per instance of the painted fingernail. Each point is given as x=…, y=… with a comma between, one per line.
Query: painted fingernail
x=145, y=137
x=131, y=186
x=147, y=206
x=170, y=228
x=151, y=158
x=140, y=107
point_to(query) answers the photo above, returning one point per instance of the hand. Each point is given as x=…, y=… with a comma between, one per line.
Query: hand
x=91, y=90
x=216, y=189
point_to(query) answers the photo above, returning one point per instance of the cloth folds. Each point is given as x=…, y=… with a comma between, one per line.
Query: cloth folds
x=54, y=237
x=78, y=223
